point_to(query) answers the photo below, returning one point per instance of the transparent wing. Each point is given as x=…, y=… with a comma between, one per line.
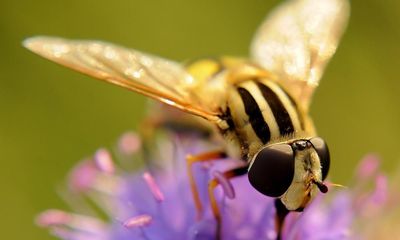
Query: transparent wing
x=297, y=40
x=152, y=76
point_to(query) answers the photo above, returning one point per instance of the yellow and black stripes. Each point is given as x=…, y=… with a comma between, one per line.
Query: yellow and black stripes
x=262, y=112
x=256, y=119
x=281, y=115
x=298, y=112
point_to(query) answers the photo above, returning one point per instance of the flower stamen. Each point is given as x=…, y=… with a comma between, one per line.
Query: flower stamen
x=57, y=219
x=53, y=217
x=104, y=161
x=138, y=221
x=154, y=188
x=129, y=143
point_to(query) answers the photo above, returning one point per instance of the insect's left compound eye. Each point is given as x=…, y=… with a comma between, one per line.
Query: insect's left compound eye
x=272, y=170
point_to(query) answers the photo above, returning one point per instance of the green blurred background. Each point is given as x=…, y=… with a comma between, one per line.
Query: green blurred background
x=51, y=117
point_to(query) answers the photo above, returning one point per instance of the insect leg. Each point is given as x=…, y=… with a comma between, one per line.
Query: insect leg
x=203, y=157
x=213, y=184
x=281, y=213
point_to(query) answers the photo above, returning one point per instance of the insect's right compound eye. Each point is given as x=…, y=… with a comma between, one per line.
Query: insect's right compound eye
x=272, y=170
x=323, y=154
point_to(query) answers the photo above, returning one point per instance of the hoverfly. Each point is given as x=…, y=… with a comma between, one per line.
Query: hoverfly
x=259, y=105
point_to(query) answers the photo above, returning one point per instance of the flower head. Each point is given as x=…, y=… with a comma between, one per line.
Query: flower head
x=156, y=202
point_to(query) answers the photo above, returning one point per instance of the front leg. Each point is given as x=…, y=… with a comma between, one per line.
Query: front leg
x=202, y=157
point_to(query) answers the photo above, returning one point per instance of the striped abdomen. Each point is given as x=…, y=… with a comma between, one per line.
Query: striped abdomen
x=262, y=113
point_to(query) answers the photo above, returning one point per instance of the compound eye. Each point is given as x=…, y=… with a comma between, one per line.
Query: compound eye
x=272, y=170
x=323, y=153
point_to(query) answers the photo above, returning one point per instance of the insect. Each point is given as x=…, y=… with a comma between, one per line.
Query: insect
x=259, y=105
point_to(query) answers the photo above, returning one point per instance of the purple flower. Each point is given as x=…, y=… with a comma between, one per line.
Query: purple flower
x=110, y=203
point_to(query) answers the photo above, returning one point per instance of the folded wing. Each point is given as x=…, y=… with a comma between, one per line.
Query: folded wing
x=152, y=76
